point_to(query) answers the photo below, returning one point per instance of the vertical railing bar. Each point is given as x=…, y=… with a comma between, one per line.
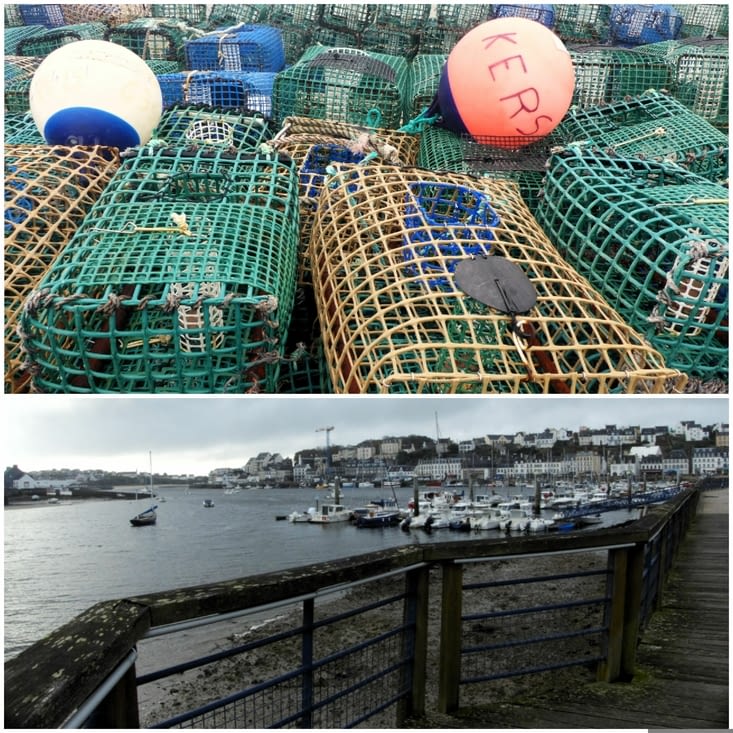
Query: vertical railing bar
x=307, y=664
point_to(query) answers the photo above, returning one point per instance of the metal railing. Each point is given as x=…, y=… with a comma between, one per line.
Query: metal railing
x=415, y=623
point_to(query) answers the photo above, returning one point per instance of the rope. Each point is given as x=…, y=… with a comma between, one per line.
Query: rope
x=418, y=124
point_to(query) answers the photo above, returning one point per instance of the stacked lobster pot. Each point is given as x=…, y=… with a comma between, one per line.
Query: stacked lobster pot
x=48, y=192
x=652, y=238
x=316, y=146
x=445, y=283
x=181, y=279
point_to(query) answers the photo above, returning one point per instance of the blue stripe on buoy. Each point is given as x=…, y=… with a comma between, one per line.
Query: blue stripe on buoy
x=89, y=126
x=451, y=118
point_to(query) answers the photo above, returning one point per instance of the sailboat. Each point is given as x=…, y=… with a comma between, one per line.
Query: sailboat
x=148, y=516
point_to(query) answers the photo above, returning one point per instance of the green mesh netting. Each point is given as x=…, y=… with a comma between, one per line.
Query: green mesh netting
x=48, y=191
x=163, y=67
x=443, y=150
x=653, y=239
x=703, y=21
x=701, y=80
x=653, y=126
x=438, y=38
x=191, y=13
x=181, y=279
x=351, y=17
x=582, y=23
x=605, y=74
x=20, y=129
x=403, y=15
x=13, y=18
x=19, y=72
x=43, y=44
x=225, y=15
x=344, y=85
x=204, y=125
x=389, y=40
x=153, y=38
x=425, y=72
x=13, y=37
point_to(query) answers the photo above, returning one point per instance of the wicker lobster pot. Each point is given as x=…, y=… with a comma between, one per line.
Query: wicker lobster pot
x=110, y=14
x=385, y=246
x=315, y=145
x=653, y=126
x=653, y=239
x=48, y=191
x=181, y=279
x=154, y=39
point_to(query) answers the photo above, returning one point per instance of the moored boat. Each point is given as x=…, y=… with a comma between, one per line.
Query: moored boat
x=330, y=513
x=145, y=518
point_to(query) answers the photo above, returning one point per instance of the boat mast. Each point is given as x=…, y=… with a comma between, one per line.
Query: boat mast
x=150, y=458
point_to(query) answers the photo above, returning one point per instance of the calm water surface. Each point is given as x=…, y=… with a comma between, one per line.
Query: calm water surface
x=61, y=559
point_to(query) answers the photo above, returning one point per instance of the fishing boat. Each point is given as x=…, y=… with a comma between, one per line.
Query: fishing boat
x=330, y=513
x=145, y=518
x=379, y=518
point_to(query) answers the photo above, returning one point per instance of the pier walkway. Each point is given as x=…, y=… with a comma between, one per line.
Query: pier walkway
x=682, y=661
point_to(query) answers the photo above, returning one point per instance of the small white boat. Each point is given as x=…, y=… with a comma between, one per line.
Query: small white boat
x=330, y=513
x=540, y=524
x=208, y=503
x=306, y=516
x=515, y=520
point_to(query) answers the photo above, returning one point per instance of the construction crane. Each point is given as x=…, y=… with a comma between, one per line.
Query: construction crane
x=328, y=445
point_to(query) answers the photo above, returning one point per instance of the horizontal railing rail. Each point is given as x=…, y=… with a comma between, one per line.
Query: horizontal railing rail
x=82, y=673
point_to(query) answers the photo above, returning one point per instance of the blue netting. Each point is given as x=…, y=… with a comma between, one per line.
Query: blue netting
x=544, y=14
x=319, y=157
x=48, y=15
x=633, y=25
x=445, y=219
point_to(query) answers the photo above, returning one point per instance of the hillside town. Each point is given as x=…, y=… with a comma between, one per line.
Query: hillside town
x=686, y=449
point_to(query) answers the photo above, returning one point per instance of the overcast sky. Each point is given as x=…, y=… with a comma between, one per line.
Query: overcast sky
x=198, y=434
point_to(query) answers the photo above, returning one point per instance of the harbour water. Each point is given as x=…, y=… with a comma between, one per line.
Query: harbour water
x=62, y=558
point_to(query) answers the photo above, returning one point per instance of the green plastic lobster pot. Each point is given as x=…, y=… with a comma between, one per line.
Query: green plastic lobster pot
x=605, y=74
x=652, y=126
x=42, y=45
x=652, y=238
x=443, y=150
x=343, y=85
x=181, y=279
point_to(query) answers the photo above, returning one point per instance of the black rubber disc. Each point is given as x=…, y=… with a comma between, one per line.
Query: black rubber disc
x=497, y=282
